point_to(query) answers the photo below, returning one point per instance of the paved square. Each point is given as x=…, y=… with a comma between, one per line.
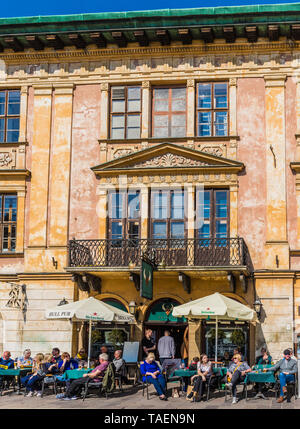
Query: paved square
x=132, y=397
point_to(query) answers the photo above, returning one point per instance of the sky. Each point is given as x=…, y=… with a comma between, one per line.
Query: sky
x=65, y=7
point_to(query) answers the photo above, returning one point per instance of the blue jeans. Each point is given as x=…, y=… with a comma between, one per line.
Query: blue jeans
x=159, y=383
x=283, y=379
x=31, y=382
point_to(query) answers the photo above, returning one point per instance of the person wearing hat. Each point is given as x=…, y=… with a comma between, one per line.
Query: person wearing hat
x=287, y=370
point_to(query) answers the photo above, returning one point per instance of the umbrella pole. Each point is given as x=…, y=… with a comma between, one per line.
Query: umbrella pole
x=216, y=341
x=90, y=341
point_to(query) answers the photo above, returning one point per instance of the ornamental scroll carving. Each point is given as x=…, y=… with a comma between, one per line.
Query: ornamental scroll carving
x=5, y=159
x=170, y=160
x=122, y=152
x=18, y=298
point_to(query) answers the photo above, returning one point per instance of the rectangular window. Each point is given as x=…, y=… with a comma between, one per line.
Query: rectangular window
x=212, y=109
x=124, y=215
x=169, y=112
x=8, y=219
x=125, y=116
x=9, y=116
x=167, y=214
x=212, y=213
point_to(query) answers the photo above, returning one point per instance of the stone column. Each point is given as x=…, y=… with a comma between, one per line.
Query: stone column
x=104, y=111
x=20, y=222
x=144, y=204
x=146, y=109
x=190, y=117
x=232, y=124
x=60, y=165
x=190, y=222
x=40, y=165
x=23, y=114
x=276, y=248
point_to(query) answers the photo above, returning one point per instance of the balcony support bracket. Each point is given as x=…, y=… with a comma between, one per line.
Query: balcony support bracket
x=186, y=282
x=135, y=278
x=231, y=280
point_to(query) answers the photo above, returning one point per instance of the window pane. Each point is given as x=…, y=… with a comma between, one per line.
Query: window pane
x=133, y=120
x=13, y=124
x=13, y=103
x=161, y=93
x=133, y=133
x=12, y=136
x=118, y=106
x=133, y=230
x=204, y=96
x=220, y=123
x=134, y=105
x=178, y=128
x=204, y=230
x=204, y=123
x=161, y=126
x=10, y=208
x=177, y=230
x=2, y=103
x=2, y=130
x=221, y=204
x=177, y=205
x=159, y=230
x=220, y=95
x=116, y=209
x=159, y=205
x=134, y=93
x=118, y=124
x=178, y=99
x=161, y=105
x=221, y=229
x=133, y=205
x=116, y=230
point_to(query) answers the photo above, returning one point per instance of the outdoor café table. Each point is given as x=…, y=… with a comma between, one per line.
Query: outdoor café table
x=73, y=374
x=182, y=373
x=260, y=377
x=17, y=372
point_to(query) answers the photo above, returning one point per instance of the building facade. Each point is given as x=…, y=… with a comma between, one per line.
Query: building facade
x=172, y=134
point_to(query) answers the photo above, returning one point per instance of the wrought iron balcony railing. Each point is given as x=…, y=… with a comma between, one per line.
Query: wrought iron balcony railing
x=214, y=252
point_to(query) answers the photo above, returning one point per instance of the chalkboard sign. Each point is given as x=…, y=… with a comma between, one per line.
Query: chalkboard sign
x=131, y=351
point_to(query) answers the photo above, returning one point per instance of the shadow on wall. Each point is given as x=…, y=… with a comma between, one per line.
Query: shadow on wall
x=1, y=332
x=260, y=337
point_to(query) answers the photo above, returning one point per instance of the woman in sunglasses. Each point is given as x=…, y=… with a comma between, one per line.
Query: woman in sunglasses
x=236, y=373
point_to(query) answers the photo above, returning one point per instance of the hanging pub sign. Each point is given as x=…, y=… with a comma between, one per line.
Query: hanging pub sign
x=146, y=289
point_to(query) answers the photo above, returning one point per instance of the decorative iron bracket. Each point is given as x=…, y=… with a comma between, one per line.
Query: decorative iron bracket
x=186, y=282
x=134, y=277
x=244, y=282
x=231, y=280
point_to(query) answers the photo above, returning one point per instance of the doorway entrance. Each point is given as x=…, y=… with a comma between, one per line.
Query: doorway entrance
x=159, y=318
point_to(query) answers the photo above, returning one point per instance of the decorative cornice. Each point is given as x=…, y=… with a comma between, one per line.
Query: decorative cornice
x=275, y=80
x=148, y=51
x=104, y=86
x=14, y=174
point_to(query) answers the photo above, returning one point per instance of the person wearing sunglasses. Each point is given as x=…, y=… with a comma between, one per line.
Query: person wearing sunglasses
x=236, y=373
x=287, y=371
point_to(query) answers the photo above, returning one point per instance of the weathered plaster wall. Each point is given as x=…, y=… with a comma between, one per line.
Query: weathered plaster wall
x=251, y=151
x=85, y=154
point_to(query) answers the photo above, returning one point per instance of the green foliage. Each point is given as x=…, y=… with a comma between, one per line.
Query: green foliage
x=237, y=337
x=117, y=336
x=212, y=335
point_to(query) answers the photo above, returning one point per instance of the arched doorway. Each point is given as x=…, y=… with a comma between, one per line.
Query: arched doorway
x=159, y=317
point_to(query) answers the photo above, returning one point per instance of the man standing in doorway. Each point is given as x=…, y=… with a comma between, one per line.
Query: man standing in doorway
x=148, y=345
x=166, y=347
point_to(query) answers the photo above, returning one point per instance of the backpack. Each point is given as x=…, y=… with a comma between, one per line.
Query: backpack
x=108, y=382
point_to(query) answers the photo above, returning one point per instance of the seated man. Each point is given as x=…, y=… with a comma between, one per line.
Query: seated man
x=288, y=369
x=6, y=363
x=76, y=386
x=237, y=373
x=55, y=355
x=119, y=364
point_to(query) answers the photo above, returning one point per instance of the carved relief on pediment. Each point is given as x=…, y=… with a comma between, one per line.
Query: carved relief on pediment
x=170, y=160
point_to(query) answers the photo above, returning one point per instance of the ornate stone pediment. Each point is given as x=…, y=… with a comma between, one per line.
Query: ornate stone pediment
x=167, y=157
x=170, y=160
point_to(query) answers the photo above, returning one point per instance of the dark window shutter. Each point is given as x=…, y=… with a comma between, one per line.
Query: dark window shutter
x=118, y=93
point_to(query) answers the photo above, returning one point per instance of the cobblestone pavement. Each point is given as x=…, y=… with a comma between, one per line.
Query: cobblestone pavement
x=132, y=397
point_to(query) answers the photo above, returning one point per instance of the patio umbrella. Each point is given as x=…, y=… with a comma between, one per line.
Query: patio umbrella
x=215, y=306
x=90, y=309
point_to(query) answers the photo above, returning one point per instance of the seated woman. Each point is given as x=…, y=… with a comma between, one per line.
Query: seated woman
x=204, y=373
x=81, y=356
x=151, y=373
x=265, y=358
x=236, y=373
x=26, y=359
x=65, y=364
x=32, y=381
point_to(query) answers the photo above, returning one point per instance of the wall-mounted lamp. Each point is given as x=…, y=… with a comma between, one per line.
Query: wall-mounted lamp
x=63, y=302
x=132, y=307
x=257, y=305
